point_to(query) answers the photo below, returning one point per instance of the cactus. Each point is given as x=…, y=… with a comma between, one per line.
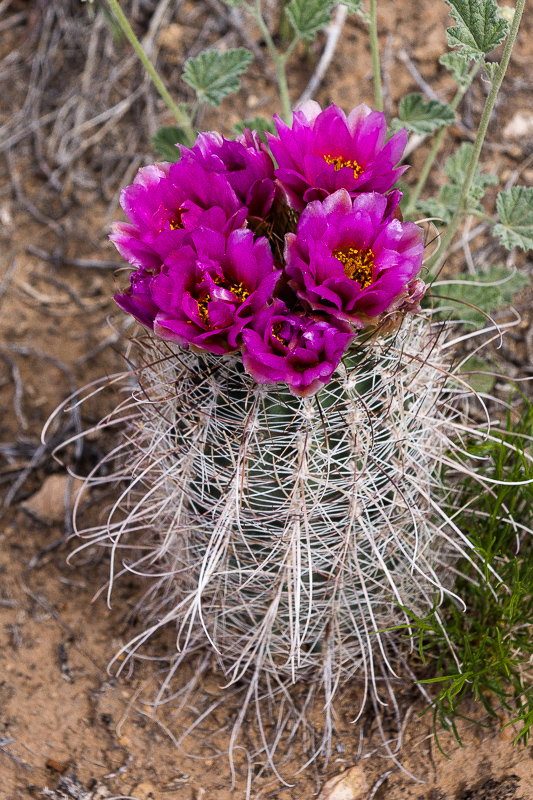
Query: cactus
x=284, y=443
x=287, y=533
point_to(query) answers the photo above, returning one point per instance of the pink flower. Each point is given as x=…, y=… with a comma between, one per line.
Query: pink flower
x=351, y=260
x=244, y=162
x=325, y=151
x=166, y=202
x=283, y=346
x=210, y=288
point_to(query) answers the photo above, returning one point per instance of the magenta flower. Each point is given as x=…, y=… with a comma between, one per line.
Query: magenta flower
x=164, y=203
x=244, y=162
x=281, y=346
x=350, y=259
x=325, y=151
x=210, y=288
x=137, y=299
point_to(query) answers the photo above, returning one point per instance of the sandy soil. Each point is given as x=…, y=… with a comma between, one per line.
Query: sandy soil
x=68, y=728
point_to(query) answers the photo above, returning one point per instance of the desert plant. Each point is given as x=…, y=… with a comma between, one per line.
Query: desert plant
x=292, y=422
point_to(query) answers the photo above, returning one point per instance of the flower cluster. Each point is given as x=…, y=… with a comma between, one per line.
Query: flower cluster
x=282, y=265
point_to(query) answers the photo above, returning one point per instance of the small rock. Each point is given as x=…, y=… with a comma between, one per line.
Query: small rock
x=171, y=36
x=146, y=791
x=56, y=766
x=48, y=504
x=520, y=126
x=6, y=218
x=350, y=785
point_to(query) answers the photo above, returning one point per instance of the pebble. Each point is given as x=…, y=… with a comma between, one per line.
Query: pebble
x=48, y=504
x=520, y=126
x=350, y=785
x=146, y=791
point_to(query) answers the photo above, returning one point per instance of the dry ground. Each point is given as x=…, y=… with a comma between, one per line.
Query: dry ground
x=65, y=723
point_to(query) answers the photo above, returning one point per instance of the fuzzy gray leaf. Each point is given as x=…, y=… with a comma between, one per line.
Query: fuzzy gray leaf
x=457, y=165
x=457, y=66
x=166, y=139
x=424, y=117
x=515, y=209
x=458, y=298
x=307, y=17
x=214, y=75
x=480, y=27
x=492, y=69
x=354, y=6
x=449, y=194
x=434, y=208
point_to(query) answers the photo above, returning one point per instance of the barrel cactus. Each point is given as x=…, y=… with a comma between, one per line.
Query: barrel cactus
x=289, y=530
x=290, y=411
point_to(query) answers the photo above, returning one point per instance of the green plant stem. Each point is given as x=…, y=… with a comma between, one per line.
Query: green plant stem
x=181, y=118
x=288, y=52
x=374, y=45
x=279, y=62
x=437, y=260
x=475, y=212
x=436, y=144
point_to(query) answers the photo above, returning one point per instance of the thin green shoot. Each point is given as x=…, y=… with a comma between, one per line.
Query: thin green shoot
x=436, y=261
x=490, y=641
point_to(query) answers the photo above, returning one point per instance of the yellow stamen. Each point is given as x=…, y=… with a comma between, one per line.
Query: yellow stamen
x=339, y=162
x=202, y=309
x=358, y=264
x=276, y=330
x=239, y=291
x=175, y=222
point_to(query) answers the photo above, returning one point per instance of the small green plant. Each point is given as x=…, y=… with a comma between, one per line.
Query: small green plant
x=483, y=652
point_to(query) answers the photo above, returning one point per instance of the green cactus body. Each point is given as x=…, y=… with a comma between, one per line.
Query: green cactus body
x=284, y=532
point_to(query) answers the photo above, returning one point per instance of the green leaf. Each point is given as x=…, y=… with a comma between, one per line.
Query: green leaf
x=165, y=141
x=307, y=17
x=455, y=169
x=422, y=117
x=515, y=209
x=488, y=298
x=214, y=75
x=433, y=208
x=457, y=165
x=492, y=69
x=480, y=27
x=354, y=6
x=259, y=124
x=457, y=66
